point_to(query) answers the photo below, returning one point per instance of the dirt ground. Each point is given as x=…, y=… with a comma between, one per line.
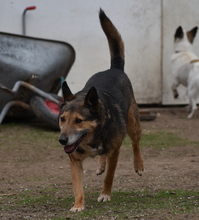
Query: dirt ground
x=174, y=168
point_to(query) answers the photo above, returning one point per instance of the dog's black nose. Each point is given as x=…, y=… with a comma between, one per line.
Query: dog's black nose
x=63, y=140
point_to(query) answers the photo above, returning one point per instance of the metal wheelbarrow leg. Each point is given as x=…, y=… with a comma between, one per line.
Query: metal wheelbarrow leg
x=9, y=105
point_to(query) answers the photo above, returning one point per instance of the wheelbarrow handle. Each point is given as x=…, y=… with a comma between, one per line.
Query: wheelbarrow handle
x=18, y=84
x=30, y=8
x=23, y=18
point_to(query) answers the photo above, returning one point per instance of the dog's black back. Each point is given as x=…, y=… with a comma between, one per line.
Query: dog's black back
x=113, y=87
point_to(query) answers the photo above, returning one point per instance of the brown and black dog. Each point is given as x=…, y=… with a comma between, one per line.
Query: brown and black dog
x=95, y=120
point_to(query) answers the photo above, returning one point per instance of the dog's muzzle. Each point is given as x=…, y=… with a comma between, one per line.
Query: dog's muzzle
x=63, y=139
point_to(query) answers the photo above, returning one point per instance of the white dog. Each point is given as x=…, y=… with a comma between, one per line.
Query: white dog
x=185, y=66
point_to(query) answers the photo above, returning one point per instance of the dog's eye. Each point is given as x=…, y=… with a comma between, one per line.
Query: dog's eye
x=62, y=119
x=78, y=120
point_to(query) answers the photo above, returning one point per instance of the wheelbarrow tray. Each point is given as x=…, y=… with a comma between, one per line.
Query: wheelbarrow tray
x=40, y=62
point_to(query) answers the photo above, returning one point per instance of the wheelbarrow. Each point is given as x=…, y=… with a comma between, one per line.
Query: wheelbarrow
x=31, y=74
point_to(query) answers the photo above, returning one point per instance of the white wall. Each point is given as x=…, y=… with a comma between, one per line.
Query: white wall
x=147, y=28
x=77, y=22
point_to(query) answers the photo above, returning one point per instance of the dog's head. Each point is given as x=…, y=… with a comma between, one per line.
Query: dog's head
x=183, y=39
x=78, y=118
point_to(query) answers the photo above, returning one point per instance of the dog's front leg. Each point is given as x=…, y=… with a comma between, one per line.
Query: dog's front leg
x=108, y=181
x=77, y=181
x=101, y=164
x=174, y=89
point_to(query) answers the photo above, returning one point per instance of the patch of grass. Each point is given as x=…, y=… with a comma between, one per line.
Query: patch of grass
x=26, y=142
x=27, y=134
x=124, y=205
x=162, y=140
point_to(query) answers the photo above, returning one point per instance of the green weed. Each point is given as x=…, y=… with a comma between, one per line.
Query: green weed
x=123, y=205
x=161, y=140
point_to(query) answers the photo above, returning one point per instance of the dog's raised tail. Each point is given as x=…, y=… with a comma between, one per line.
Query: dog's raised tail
x=115, y=42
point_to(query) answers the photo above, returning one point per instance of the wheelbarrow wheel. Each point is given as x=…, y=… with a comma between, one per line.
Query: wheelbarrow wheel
x=46, y=111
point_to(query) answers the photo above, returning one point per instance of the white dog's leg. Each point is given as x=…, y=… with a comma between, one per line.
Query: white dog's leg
x=193, y=94
x=193, y=107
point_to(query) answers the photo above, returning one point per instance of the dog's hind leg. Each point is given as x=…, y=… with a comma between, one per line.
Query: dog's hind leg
x=193, y=90
x=101, y=164
x=134, y=132
x=193, y=107
x=77, y=180
x=108, y=181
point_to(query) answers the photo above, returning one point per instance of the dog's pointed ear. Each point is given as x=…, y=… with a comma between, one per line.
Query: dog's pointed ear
x=67, y=94
x=91, y=98
x=191, y=34
x=179, y=33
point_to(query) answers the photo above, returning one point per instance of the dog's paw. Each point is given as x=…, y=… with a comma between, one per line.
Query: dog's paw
x=139, y=166
x=104, y=198
x=99, y=171
x=139, y=172
x=190, y=116
x=77, y=209
x=176, y=95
